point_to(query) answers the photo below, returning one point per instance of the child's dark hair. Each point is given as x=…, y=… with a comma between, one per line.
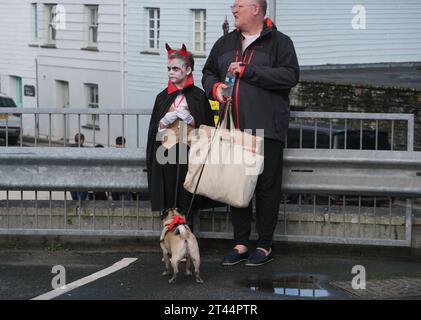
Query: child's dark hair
x=189, y=60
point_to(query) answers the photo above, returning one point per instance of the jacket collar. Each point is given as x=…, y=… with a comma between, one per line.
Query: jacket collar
x=268, y=26
x=269, y=23
x=172, y=88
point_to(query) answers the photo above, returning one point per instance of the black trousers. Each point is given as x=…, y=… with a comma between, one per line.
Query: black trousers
x=268, y=198
x=169, y=171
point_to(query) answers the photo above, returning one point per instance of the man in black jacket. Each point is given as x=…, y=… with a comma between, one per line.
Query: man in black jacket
x=266, y=68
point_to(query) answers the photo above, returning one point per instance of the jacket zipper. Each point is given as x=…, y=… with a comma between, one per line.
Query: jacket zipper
x=237, y=82
x=237, y=85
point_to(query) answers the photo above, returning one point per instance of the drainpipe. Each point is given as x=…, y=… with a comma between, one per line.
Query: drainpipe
x=37, y=93
x=122, y=55
x=36, y=81
x=272, y=10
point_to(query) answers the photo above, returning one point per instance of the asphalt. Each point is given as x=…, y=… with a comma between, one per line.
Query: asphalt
x=26, y=273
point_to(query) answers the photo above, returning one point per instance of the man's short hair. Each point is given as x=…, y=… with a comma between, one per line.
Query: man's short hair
x=263, y=4
x=120, y=140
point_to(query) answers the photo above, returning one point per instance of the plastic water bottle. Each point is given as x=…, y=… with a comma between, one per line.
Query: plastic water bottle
x=229, y=81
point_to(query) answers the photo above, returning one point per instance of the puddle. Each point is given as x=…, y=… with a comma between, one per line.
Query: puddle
x=306, y=286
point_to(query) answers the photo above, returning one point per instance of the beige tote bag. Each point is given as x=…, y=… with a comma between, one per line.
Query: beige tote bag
x=224, y=164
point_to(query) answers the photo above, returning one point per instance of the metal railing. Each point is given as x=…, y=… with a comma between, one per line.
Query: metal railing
x=345, y=130
x=55, y=127
x=325, y=130
x=337, y=195
x=353, y=197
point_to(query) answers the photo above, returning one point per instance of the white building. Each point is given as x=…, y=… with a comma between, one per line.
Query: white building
x=151, y=24
x=74, y=52
x=111, y=53
x=352, y=32
x=324, y=32
x=17, y=57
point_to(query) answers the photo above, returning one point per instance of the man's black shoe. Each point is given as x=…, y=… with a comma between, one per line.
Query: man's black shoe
x=258, y=258
x=233, y=257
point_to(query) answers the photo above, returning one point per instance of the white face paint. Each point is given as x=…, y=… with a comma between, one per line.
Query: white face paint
x=178, y=72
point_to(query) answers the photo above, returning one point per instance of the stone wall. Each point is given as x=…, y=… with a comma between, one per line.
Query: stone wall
x=331, y=97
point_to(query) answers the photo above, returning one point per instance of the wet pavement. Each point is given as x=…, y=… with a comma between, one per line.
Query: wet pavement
x=294, y=274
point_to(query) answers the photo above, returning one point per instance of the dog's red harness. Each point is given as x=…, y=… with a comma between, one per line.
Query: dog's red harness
x=176, y=222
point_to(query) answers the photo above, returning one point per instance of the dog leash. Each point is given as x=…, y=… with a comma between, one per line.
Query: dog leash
x=181, y=134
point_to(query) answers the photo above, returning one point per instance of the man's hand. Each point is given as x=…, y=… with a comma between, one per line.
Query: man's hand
x=236, y=68
x=220, y=93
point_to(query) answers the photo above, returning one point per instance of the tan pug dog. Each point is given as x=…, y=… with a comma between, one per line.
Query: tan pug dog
x=177, y=241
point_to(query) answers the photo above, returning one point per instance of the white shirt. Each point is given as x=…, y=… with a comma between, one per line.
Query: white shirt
x=183, y=103
x=248, y=40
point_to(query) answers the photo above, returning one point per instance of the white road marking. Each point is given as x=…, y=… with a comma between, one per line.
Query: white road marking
x=95, y=276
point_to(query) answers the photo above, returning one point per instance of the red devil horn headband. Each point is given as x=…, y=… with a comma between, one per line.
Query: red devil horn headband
x=183, y=51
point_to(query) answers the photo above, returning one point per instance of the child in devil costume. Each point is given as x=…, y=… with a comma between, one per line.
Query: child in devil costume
x=180, y=104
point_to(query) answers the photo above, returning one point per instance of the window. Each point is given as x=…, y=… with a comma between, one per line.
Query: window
x=153, y=29
x=52, y=20
x=92, y=23
x=34, y=22
x=54, y=17
x=92, y=95
x=199, y=31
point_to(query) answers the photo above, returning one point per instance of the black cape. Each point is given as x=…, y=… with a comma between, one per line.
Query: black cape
x=201, y=111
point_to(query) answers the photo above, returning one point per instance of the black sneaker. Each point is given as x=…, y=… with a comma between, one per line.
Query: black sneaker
x=258, y=258
x=233, y=257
